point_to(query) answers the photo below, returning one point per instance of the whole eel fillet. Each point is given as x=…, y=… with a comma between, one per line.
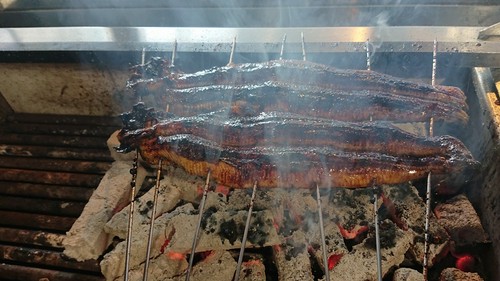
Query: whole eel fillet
x=313, y=101
x=276, y=128
x=165, y=84
x=299, y=167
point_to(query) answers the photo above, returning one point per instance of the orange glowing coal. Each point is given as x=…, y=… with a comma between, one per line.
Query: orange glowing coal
x=333, y=260
x=176, y=255
x=353, y=232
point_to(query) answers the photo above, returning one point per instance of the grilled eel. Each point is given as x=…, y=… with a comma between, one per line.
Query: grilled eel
x=277, y=128
x=320, y=84
x=297, y=167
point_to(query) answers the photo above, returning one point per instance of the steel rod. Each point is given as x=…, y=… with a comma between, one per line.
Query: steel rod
x=368, y=56
x=152, y=221
x=233, y=47
x=198, y=227
x=428, y=194
x=322, y=233
x=303, y=46
x=133, y=171
x=174, y=53
x=282, y=49
x=245, y=234
x=377, y=232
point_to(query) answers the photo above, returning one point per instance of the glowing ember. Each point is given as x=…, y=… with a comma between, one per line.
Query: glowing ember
x=165, y=245
x=353, y=232
x=466, y=263
x=176, y=255
x=333, y=260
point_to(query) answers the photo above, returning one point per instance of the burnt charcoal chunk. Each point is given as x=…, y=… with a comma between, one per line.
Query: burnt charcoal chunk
x=229, y=230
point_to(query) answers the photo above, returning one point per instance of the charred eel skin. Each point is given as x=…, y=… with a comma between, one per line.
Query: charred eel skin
x=319, y=84
x=276, y=128
x=296, y=167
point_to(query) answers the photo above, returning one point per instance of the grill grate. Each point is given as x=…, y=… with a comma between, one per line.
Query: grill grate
x=49, y=167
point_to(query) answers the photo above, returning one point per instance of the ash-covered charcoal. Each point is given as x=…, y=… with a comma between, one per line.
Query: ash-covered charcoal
x=230, y=230
x=292, y=259
x=208, y=220
x=387, y=235
x=258, y=230
x=350, y=210
x=459, y=218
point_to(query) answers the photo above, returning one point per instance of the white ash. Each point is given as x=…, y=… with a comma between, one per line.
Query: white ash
x=459, y=218
x=160, y=268
x=222, y=230
x=168, y=198
x=361, y=263
x=219, y=266
x=87, y=239
x=113, y=263
x=253, y=270
x=454, y=274
x=292, y=259
x=407, y=274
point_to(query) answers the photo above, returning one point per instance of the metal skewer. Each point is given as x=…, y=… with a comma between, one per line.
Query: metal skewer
x=368, y=55
x=245, y=234
x=377, y=232
x=174, y=52
x=233, y=47
x=282, y=46
x=133, y=171
x=428, y=194
x=151, y=226
x=322, y=233
x=304, y=58
x=198, y=226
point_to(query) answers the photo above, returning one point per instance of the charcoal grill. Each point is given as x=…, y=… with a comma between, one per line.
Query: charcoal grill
x=400, y=39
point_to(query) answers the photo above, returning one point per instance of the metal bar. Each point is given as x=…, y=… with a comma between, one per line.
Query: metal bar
x=245, y=234
x=322, y=233
x=282, y=50
x=198, y=226
x=133, y=171
x=377, y=232
x=428, y=193
x=152, y=221
x=368, y=56
x=231, y=55
x=426, y=233
x=174, y=51
x=461, y=39
x=304, y=58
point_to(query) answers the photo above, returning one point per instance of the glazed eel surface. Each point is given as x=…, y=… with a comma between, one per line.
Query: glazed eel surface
x=301, y=87
x=297, y=167
x=279, y=150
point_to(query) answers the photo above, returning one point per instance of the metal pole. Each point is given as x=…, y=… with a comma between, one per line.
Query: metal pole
x=151, y=226
x=322, y=233
x=245, y=234
x=133, y=171
x=198, y=227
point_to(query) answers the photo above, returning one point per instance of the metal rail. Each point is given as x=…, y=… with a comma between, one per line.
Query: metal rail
x=205, y=39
